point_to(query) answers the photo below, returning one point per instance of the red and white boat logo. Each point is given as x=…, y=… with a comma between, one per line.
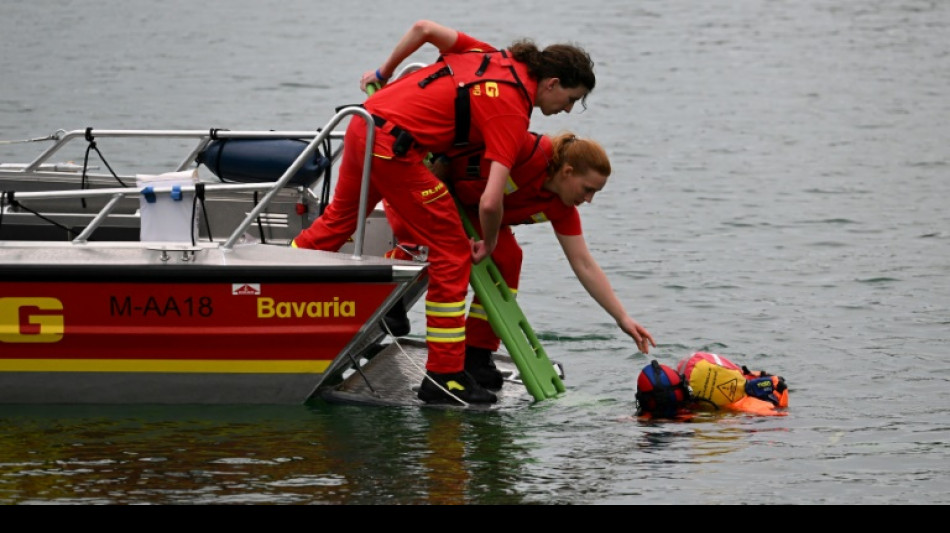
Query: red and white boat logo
x=245, y=289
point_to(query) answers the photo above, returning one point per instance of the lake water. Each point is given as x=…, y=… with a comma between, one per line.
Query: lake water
x=778, y=196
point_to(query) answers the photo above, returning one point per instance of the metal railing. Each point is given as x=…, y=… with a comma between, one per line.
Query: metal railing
x=204, y=138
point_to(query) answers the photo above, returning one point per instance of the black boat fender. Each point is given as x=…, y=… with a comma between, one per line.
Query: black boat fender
x=261, y=160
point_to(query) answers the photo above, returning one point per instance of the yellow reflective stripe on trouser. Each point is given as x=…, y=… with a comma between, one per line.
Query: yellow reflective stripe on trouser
x=477, y=310
x=445, y=309
x=445, y=334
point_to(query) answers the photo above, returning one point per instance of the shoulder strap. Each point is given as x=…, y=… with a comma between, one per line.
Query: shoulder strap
x=463, y=115
x=514, y=74
x=444, y=71
x=537, y=143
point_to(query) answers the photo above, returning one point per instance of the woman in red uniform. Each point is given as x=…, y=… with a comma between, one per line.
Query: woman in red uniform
x=551, y=177
x=474, y=94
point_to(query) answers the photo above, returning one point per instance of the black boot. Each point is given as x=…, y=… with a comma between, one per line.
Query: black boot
x=459, y=384
x=479, y=364
x=397, y=320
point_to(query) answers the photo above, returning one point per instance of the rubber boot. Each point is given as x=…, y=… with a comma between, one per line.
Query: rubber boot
x=479, y=364
x=460, y=384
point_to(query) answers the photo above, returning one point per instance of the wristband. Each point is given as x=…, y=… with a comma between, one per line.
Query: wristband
x=380, y=76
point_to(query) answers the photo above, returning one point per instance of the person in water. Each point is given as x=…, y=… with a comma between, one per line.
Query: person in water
x=474, y=94
x=708, y=382
x=551, y=177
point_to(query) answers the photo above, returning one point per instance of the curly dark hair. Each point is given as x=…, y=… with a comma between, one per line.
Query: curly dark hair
x=569, y=63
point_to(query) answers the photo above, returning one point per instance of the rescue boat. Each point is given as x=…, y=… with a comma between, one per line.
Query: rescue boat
x=173, y=287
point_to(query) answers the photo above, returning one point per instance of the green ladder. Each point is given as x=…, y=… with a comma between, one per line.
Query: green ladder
x=510, y=324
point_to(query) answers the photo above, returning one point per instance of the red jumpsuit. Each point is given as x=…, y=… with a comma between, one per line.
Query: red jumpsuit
x=526, y=202
x=500, y=116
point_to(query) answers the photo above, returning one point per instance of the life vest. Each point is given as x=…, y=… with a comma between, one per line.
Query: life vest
x=715, y=381
x=468, y=71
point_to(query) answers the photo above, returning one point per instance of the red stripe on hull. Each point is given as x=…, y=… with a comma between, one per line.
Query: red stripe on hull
x=208, y=321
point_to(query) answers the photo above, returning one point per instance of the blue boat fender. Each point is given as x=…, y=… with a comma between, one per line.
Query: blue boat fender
x=261, y=160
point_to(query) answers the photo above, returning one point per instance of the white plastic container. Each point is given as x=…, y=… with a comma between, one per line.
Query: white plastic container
x=168, y=214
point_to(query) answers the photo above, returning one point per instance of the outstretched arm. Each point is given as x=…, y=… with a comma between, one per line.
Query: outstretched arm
x=491, y=210
x=422, y=32
x=594, y=280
